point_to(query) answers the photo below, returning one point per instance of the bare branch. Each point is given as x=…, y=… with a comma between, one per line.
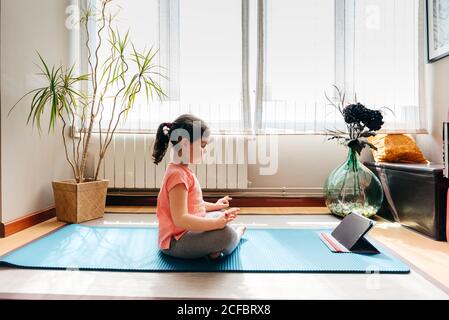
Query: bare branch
x=65, y=146
x=94, y=94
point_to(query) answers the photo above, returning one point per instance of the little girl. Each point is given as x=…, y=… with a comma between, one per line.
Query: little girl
x=186, y=230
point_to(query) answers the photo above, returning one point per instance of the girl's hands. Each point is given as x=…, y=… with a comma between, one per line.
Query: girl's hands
x=227, y=217
x=223, y=202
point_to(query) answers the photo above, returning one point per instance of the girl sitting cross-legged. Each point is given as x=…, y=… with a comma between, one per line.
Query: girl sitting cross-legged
x=186, y=230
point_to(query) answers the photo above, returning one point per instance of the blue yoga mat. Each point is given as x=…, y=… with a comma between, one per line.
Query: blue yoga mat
x=135, y=249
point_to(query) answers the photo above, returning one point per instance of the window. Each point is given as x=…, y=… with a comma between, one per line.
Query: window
x=386, y=60
x=200, y=51
x=299, y=64
x=210, y=68
x=144, y=32
x=368, y=48
x=264, y=65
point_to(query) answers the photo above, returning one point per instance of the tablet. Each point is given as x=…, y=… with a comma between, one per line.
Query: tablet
x=352, y=229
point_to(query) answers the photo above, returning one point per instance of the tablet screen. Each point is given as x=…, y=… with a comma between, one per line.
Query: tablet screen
x=351, y=229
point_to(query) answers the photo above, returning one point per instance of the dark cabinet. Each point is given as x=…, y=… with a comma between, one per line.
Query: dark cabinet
x=415, y=196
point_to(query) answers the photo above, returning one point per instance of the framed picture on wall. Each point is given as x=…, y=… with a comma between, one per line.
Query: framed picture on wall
x=437, y=29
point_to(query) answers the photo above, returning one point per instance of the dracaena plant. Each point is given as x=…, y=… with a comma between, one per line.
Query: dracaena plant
x=104, y=96
x=361, y=122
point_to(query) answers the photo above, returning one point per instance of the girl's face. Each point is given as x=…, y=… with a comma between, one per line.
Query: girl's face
x=197, y=150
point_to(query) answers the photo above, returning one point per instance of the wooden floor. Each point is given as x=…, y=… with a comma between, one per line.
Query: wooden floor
x=21, y=238
x=429, y=257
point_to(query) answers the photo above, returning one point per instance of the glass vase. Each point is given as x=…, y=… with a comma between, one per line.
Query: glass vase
x=352, y=187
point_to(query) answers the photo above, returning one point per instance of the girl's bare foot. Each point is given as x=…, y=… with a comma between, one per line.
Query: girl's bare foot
x=240, y=231
x=215, y=255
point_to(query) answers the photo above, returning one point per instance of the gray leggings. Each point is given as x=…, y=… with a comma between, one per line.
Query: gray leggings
x=194, y=245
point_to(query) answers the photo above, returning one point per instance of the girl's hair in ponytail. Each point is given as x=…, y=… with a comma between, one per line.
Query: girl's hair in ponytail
x=186, y=122
x=161, y=143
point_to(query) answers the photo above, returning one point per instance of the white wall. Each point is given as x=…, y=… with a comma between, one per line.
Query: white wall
x=437, y=102
x=29, y=162
x=304, y=163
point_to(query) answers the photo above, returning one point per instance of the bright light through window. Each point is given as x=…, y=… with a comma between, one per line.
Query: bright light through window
x=206, y=47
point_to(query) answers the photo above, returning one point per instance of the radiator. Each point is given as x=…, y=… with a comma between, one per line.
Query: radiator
x=128, y=163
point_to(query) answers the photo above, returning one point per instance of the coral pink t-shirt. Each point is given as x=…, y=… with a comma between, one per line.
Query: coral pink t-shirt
x=177, y=174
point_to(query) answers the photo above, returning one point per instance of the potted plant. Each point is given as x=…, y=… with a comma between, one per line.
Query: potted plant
x=72, y=100
x=352, y=187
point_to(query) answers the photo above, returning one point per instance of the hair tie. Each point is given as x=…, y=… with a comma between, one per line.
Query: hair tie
x=166, y=128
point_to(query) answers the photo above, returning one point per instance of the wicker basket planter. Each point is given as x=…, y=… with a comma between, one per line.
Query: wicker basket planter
x=80, y=202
